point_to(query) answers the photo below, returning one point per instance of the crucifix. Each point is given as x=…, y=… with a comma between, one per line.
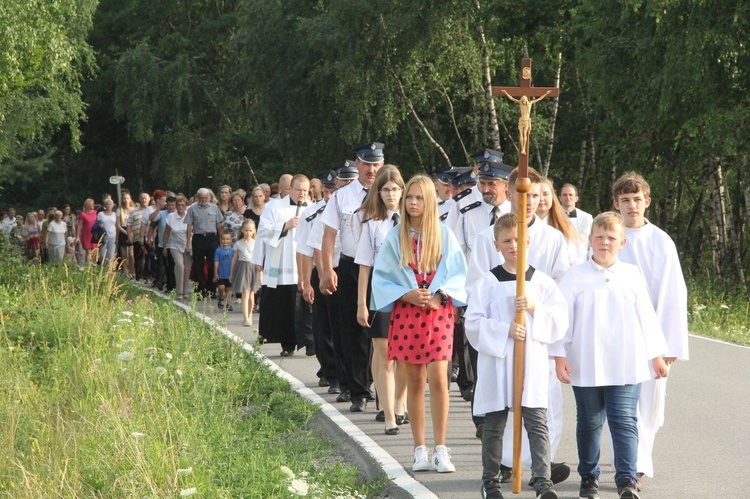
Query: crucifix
x=523, y=185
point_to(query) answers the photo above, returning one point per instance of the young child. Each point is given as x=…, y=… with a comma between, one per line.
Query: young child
x=492, y=331
x=613, y=334
x=223, y=268
x=654, y=252
x=245, y=276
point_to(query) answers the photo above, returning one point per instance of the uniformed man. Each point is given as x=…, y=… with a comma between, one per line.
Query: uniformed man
x=469, y=196
x=581, y=220
x=308, y=282
x=338, y=218
x=445, y=187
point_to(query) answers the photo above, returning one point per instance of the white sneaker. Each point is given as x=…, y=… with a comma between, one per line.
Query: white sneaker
x=421, y=459
x=441, y=460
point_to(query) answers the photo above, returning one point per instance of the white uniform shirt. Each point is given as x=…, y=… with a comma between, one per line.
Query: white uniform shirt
x=488, y=318
x=339, y=215
x=474, y=220
x=444, y=208
x=654, y=252
x=459, y=201
x=547, y=252
x=306, y=221
x=614, y=332
x=373, y=235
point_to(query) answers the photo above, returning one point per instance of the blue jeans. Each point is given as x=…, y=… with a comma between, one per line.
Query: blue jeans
x=618, y=404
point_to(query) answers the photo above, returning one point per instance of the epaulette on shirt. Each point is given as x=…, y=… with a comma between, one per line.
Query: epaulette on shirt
x=458, y=197
x=470, y=206
x=444, y=216
x=312, y=217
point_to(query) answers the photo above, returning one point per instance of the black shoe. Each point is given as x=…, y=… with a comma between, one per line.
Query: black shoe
x=392, y=431
x=467, y=394
x=546, y=492
x=479, y=433
x=629, y=490
x=310, y=350
x=358, y=405
x=491, y=494
x=344, y=396
x=287, y=353
x=589, y=488
x=323, y=381
x=380, y=417
x=559, y=472
x=402, y=418
x=454, y=374
x=334, y=388
x=506, y=474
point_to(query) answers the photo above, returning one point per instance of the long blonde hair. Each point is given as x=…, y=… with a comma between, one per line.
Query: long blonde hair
x=431, y=243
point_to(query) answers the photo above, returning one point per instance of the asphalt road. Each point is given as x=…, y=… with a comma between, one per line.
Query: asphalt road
x=703, y=450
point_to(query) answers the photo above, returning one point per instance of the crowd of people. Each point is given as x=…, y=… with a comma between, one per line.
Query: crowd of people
x=398, y=285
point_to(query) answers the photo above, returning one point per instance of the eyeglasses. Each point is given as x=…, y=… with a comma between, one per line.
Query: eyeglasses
x=395, y=190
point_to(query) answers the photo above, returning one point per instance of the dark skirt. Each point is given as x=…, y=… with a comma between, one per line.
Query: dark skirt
x=380, y=323
x=276, y=323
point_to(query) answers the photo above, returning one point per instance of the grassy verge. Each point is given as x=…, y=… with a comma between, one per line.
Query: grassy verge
x=720, y=314
x=106, y=393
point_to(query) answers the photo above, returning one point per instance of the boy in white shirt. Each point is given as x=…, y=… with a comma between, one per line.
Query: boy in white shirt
x=613, y=334
x=492, y=331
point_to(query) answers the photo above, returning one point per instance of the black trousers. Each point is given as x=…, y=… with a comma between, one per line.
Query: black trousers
x=340, y=347
x=303, y=327
x=352, y=333
x=204, y=246
x=322, y=332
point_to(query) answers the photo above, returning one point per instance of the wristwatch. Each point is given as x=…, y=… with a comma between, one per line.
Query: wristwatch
x=443, y=297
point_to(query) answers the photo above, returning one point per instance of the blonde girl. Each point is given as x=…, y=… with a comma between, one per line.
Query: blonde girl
x=418, y=277
x=245, y=276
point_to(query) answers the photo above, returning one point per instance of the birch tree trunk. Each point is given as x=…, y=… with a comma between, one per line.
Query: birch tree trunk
x=553, y=120
x=732, y=233
x=487, y=81
x=581, y=169
x=715, y=221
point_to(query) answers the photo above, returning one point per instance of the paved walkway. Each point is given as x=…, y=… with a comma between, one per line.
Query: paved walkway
x=702, y=451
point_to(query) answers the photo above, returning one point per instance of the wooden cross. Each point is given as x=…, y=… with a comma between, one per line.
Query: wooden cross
x=522, y=186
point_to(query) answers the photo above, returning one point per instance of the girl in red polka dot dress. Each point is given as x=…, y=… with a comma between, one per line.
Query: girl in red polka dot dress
x=419, y=276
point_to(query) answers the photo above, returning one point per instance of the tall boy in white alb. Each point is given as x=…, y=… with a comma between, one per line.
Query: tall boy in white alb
x=654, y=252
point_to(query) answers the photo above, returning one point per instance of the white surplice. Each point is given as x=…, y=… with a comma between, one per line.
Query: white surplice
x=280, y=265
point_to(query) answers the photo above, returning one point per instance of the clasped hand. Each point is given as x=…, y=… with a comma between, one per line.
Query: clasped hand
x=421, y=298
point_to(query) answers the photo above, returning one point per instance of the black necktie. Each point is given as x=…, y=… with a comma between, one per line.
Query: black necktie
x=572, y=213
x=493, y=215
x=366, y=191
x=395, y=218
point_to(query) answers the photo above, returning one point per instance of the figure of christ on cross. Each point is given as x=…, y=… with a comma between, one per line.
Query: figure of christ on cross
x=524, y=122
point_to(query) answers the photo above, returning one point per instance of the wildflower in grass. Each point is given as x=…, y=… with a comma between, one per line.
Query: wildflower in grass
x=138, y=435
x=161, y=371
x=298, y=487
x=126, y=356
x=287, y=472
x=127, y=313
x=698, y=308
x=97, y=361
x=724, y=306
x=179, y=372
x=188, y=492
x=128, y=321
x=129, y=341
x=185, y=471
x=149, y=319
x=147, y=324
x=168, y=356
x=150, y=351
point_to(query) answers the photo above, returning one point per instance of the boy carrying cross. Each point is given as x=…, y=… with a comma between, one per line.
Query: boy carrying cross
x=493, y=332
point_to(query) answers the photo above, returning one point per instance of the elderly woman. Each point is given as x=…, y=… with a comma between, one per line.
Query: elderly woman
x=55, y=238
x=233, y=218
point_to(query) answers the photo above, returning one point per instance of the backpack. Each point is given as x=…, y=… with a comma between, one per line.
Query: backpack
x=98, y=232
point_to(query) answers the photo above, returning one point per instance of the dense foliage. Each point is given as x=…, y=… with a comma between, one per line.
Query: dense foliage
x=192, y=94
